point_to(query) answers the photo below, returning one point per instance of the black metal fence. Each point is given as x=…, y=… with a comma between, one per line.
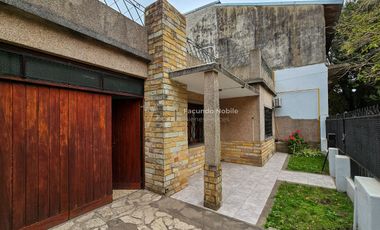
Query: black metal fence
x=357, y=134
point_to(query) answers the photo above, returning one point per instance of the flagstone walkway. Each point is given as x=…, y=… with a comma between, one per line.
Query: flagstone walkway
x=142, y=209
x=246, y=189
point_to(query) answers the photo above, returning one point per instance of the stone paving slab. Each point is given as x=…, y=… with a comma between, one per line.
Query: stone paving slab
x=246, y=189
x=141, y=209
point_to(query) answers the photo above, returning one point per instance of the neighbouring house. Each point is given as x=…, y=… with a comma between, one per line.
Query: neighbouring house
x=293, y=38
x=91, y=101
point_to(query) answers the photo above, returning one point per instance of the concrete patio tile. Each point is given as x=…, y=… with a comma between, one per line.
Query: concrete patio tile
x=246, y=189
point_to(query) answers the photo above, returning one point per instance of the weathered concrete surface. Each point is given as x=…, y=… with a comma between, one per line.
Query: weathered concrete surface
x=91, y=18
x=288, y=36
x=211, y=118
x=26, y=30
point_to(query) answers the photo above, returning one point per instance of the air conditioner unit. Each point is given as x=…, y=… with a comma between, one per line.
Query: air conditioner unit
x=277, y=102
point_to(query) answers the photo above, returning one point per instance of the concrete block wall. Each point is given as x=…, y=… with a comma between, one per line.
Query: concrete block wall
x=166, y=146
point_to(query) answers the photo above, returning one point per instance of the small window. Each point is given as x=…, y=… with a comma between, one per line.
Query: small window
x=127, y=84
x=195, y=124
x=10, y=63
x=268, y=122
x=42, y=69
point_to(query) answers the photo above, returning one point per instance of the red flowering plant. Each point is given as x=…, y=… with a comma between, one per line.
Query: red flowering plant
x=295, y=142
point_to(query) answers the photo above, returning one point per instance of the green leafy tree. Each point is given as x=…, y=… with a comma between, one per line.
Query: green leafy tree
x=356, y=44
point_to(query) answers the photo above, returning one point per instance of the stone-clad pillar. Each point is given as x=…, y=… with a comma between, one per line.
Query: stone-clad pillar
x=212, y=169
x=165, y=101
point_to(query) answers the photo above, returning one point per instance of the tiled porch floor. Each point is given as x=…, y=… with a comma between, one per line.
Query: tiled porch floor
x=246, y=189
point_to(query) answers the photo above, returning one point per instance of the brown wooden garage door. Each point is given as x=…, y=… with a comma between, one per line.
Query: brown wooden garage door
x=55, y=154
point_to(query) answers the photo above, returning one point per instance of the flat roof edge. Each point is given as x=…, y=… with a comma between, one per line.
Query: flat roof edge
x=286, y=3
x=209, y=67
x=203, y=7
x=270, y=3
x=31, y=9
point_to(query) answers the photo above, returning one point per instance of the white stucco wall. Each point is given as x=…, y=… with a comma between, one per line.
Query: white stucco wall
x=304, y=93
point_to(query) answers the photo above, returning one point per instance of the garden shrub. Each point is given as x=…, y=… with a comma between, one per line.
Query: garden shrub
x=296, y=143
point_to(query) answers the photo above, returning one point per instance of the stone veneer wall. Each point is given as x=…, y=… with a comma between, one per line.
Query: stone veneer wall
x=166, y=147
x=196, y=159
x=245, y=152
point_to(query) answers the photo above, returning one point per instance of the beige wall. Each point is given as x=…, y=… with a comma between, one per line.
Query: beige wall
x=194, y=98
x=21, y=29
x=242, y=126
x=309, y=128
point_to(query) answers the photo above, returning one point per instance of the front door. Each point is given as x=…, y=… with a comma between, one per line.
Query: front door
x=126, y=144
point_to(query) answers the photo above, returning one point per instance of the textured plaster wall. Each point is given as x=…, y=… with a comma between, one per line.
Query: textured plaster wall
x=287, y=35
x=92, y=18
x=21, y=29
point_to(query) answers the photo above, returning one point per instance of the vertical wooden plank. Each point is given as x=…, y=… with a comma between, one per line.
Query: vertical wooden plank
x=19, y=155
x=54, y=157
x=96, y=131
x=81, y=161
x=126, y=144
x=109, y=144
x=103, y=146
x=43, y=158
x=73, y=187
x=135, y=135
x=6, y=155
x=32, y=155
x=64, y=148
x=88, y=154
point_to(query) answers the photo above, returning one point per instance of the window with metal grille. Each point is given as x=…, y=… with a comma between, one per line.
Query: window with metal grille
x=268, y=122
x=195, y=124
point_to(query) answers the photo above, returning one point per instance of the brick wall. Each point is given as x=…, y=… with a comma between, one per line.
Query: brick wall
x=196, y=159
x=166, y=148
x=245, y=152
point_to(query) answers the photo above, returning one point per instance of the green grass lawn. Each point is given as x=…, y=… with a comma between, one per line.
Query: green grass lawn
x=306, y=207
x=307, y=164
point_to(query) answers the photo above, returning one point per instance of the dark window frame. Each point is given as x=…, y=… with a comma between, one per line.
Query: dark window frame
x=195, y=128
x=268, y=122
x=25, y=56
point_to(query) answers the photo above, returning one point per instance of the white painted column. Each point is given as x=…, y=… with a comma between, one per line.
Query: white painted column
x=367, y=203
x=332, y=153
x=342, y=172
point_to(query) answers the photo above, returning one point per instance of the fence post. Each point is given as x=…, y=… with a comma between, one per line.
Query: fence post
x=342, y=171
x=332, y=153
x=367, y=203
